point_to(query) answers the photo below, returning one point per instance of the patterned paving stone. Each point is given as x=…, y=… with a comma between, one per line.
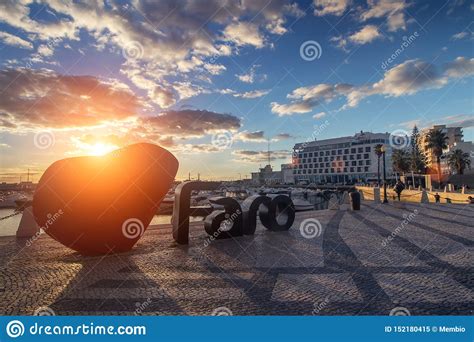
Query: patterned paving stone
x=345, y=270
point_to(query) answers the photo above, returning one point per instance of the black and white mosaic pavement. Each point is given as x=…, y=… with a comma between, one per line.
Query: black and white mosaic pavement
x=361, y=263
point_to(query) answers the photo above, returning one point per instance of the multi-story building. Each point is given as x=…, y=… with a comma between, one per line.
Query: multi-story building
x=454, y=135
x=341, y=160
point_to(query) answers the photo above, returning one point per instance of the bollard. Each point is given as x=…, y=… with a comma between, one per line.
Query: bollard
x=355, y=200
x=377, y=195
x=424, y=197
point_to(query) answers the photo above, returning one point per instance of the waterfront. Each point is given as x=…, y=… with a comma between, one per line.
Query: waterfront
x=9, y=226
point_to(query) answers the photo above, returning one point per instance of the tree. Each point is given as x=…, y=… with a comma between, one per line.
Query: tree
x=459, y=160
x=418, y=158
x=437, y=141
x=401, y=161
x=378, y=149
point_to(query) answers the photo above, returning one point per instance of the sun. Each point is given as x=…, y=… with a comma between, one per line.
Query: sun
x=99, y=149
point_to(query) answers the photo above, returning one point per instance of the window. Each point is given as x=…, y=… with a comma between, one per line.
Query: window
x=367, y=162
x=366, y=169
x=346, y=151
x=339, y=151
x=310, y=154
x=353, y=150
x=367, y=149
x=360, y=150
x=359, y=156
x=333, y=152
x=366, y=156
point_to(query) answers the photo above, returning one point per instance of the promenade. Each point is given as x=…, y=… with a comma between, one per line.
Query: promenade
x=378, y=260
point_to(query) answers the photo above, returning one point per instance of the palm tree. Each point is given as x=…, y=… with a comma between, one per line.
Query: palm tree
x=378, y=149
x=436, y=140
x=459, y=160
x=401, y=161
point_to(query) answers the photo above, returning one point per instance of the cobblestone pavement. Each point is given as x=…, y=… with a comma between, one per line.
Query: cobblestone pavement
x=363, y=263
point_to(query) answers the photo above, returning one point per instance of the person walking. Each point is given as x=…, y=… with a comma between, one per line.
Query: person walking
x=399, y=187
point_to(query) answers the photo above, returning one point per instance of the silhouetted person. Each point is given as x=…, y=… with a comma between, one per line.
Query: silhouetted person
x=437, y=197
x=399, y=187
x=471, y=200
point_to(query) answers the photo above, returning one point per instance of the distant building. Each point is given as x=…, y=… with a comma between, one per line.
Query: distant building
x=341, y=160
x=266, y=175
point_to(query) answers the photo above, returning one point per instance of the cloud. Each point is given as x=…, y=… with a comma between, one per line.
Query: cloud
x=366, y=35
x=43, y=98
x=282, y=136
x=304, y=99
x=462, y=35
x=189, y=123
x=161, y=42
x=260, y=156
x=251, y=76
x=16, y=41
x=407, y=78
x=319, y=115
x=330, y=7
x=393, y=10
x=257, y=136
x=244, y=33
x=252, y=94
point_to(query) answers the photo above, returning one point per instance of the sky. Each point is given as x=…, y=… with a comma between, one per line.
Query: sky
x=219, y=82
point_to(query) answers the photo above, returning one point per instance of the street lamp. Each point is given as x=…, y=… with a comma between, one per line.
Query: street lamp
x=384, y=176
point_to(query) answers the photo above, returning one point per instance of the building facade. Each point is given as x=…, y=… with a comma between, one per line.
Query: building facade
x=342, y=160
x=455, y=138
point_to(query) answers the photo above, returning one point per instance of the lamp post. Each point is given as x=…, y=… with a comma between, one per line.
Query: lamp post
x=384, y=177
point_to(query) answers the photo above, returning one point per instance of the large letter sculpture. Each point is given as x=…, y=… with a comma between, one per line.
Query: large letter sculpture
x=223, y=224
x=181, y=207
x=281, y=208
x=250, y=209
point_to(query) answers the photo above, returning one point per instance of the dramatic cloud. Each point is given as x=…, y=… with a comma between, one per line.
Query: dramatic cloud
x=47, y=99
x=190, y=123
x=260, y=156
x=407, y=78
x=331, y=7
x=161, y=42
